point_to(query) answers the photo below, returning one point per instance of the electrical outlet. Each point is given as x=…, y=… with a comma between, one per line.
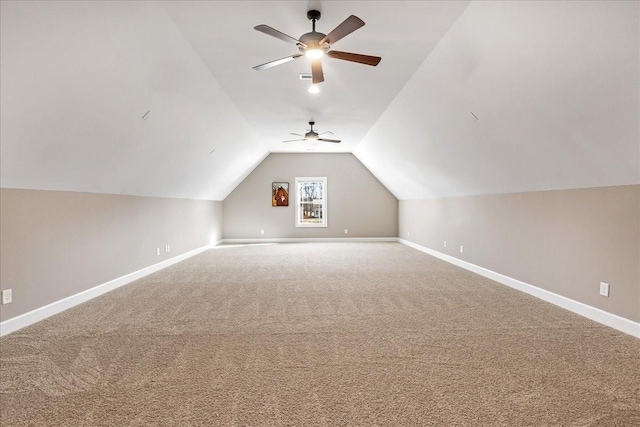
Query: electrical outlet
x=157, y=251
x=445, y=243
x=461, y=248
x=261, y=231
x=7, y=296
x=346, y=231
x=604, y=289
x=408, y=234
x=168, y=248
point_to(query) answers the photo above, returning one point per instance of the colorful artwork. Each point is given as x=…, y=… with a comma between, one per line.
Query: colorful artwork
x=280, y=194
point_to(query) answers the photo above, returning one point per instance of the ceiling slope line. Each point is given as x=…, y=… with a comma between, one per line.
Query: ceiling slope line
x=444, y=34
x=204, y=64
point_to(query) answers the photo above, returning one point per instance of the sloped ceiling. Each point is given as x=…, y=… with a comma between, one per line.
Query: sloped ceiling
x=470, y=98
x=554, y=88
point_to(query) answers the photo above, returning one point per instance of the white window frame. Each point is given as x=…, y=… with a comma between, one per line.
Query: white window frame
x=302, y=223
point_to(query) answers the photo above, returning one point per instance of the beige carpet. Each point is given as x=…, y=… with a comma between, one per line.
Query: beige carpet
x=331, y=334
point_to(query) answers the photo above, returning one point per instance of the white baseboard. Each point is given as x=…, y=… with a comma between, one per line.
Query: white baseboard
x=48, y=310
x=308, y=239
x=616, y=322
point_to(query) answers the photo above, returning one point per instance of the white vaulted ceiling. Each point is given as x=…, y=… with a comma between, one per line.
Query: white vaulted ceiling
x=470, y=98
x=555, y=87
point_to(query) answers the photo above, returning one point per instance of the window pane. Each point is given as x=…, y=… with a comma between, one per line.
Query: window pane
x=311, y=210
x=305, y=211
x=310, y=191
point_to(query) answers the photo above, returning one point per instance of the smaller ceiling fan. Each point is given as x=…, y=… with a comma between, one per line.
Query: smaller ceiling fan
x=312, y=136
x=314, y=45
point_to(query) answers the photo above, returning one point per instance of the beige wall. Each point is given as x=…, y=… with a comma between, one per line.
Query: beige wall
x=566, y=242
x=356, y=200
x=55, y=244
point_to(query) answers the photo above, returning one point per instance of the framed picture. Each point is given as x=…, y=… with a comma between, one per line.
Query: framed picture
x=280, y=194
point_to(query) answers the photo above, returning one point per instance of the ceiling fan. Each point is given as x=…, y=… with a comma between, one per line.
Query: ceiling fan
x=312, y=136
x=314, y=45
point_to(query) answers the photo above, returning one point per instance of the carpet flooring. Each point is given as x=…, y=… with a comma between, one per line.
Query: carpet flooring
x=318, y=334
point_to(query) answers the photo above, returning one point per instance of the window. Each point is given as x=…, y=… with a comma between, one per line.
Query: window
x=311, y=202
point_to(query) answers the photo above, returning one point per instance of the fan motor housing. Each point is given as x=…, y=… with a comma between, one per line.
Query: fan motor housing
x=312, y=41
x=311, y=135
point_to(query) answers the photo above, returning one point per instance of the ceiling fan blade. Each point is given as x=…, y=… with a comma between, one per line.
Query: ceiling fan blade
x=326, y=133
x=347, y=27
x=354, y=57
x=295, y=134
x=317, y=76
x=277, y=62
x=277, y=34
x=328, y=140
x=294, y=140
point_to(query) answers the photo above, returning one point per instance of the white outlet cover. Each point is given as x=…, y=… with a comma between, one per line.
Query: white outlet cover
x=346, y=231
x=157, y=251
x=7, y=296
x=261, y=231
x=604, y=289
x=445, y=243
x=461, y=248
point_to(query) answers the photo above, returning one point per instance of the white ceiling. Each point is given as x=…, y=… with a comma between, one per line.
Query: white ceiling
x=555, y=87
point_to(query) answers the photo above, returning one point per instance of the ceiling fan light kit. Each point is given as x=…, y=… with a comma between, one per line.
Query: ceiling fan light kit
x=314, y=45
